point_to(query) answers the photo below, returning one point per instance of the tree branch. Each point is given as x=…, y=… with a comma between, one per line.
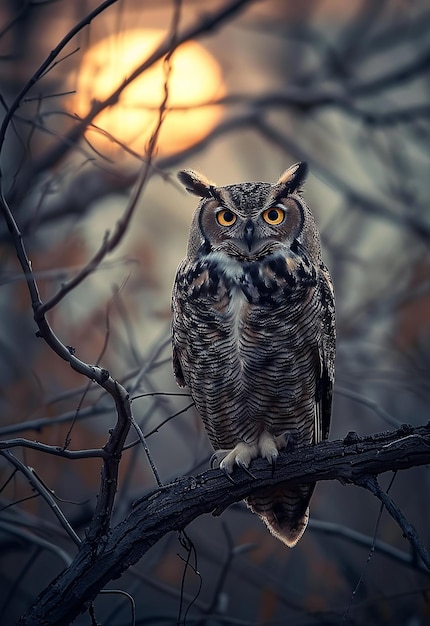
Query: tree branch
x=409, y=532
x=205, y=23
x=174, y=506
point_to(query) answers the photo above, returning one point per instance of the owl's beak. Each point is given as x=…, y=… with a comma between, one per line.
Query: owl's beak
x=249, y=234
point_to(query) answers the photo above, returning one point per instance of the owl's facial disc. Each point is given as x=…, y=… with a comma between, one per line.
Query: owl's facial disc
x=248, y=245
x=250, y=239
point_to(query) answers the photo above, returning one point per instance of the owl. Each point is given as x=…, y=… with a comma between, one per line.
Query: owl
x=253, y=331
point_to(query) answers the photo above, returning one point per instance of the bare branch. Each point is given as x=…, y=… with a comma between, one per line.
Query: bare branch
x=409, y=532
x=353, y=536
x=206, y=23
x=47, y=63
x=174, y=506
x=19, y=442
x=375, y=207
x=111, y=241
x=46, y=422
x=114, y=447
x=38, y=485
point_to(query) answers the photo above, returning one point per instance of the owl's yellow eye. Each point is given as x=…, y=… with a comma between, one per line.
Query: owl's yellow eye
x=226, y=217
x=274, y=216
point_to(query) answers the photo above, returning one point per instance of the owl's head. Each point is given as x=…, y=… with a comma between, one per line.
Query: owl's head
x=247, y=221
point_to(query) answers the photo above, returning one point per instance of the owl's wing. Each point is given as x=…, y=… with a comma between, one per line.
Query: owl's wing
x=178, y=330
x=177, y=369
x=327, y=353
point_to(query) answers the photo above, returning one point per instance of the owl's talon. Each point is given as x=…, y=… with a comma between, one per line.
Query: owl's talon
x=228, y=475
x=286, y=441
x=245, y=469
x=241, y=455
x=218, y=457
x=268, y=446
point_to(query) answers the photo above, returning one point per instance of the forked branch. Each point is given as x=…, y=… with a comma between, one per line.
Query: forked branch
x=174, y=506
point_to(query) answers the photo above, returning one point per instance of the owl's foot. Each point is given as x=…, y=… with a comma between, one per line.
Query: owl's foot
x=217, y=457
x=241, y=455
x=267, y=447
x=270, y=446
x=287, y=440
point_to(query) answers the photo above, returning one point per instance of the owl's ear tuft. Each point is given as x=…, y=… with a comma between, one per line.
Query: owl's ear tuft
x=196, y=183
x=294, y=177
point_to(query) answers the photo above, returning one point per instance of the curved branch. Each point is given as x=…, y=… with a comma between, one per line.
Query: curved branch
x=44, y=67
x=205, y=22
x=174, y=506
x=409, y=531
x=20, y=442
x=355, y=537
x=46, y=494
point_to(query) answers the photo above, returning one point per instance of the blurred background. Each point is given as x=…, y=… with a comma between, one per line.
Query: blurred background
x=344, y=86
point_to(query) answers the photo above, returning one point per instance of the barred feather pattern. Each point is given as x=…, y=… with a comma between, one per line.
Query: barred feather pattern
x=254, y=342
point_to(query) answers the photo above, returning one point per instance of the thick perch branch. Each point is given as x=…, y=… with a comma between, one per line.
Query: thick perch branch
x=174, y=506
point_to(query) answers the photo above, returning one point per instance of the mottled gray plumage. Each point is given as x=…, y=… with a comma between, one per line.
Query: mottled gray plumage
x=253, y=330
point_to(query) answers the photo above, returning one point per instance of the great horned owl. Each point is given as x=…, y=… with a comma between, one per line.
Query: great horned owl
x=253, y=330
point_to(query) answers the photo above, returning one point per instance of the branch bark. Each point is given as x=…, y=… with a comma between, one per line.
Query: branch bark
x=174, y=506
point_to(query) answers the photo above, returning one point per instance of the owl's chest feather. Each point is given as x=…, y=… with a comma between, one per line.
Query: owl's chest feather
x=239, y=301
x=237, y=312
x=228, y=286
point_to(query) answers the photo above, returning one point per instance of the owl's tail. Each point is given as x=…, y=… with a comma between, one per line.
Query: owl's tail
x=284, y=510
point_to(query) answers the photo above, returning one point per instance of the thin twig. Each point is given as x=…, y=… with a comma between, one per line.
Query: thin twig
x=19, y=442
x=371, y=484
x=46, y=494
x=147, y=451
x=206, y=23
x=46, y=422
x=353, y=536
x=47, y=63
x=366, y=565
x=371, y=404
